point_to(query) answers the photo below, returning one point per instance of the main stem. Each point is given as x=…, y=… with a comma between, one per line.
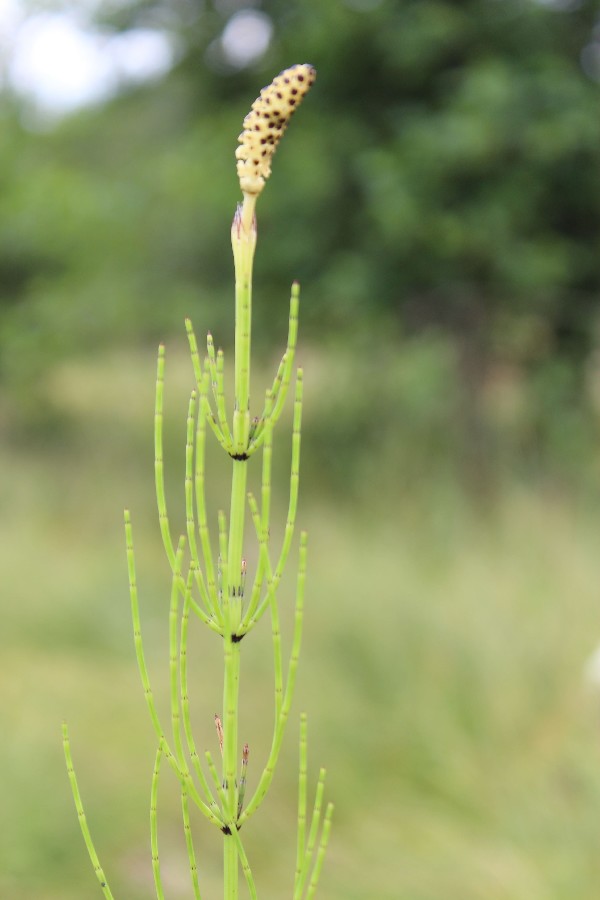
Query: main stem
x=243, y=236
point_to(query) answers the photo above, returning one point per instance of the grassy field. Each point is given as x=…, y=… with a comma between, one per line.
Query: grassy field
x=443, y=672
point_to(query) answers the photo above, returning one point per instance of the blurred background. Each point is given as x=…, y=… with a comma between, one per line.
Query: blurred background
x=438, y=197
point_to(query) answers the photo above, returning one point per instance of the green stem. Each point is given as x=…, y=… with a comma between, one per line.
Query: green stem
x=244, y=243
x=230, y=761
x=230, y=869
x=243, y=239
x=236, y=541
x=233, y=833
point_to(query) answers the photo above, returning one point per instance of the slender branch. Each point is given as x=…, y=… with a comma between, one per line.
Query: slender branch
x=274, y=578
x=269, y=770
x=182, y=774
x=201, y=501
x=159, y=474
x=265, y=563
x=216, y=366
x=174, y=660
x=185, y=707
x=302, y=799
x=160, y=486
x=189, y=843
x=154, y=824
x=220, y=399
x=261, y=523
x=316, y=873
x=284, y=373
x=223, y=576
x=242, y=787
x=189, y=500
x=81, y=816
x=312, y=836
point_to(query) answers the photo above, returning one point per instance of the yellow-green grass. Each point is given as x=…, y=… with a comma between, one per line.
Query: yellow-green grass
x=442, y=670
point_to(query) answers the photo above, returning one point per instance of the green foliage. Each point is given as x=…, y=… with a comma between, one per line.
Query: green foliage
x=445, y=183
x=453, y=156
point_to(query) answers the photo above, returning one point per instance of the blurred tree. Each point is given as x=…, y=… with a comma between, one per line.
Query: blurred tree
x=451, y=168
x=447, y=178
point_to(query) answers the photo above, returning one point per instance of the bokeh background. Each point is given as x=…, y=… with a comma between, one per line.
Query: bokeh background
x=438, y=196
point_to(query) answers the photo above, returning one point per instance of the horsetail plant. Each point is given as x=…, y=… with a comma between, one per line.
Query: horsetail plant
x=218, y=589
